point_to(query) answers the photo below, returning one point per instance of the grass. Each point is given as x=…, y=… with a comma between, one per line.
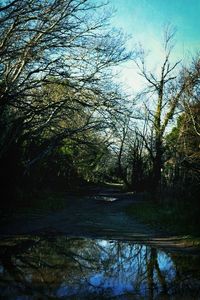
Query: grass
x=180, y=218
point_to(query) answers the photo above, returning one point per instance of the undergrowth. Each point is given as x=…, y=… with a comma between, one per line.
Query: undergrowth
x=177, y=217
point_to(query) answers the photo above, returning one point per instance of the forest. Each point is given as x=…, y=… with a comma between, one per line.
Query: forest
x=99, y=183
x=66, y=121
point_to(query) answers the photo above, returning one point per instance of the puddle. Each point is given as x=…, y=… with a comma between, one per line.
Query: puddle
x=109, y=199
x=71, y=268
x=105, y=198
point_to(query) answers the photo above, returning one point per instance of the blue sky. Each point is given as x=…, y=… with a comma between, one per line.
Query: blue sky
x=145, y=20
x=138, y=17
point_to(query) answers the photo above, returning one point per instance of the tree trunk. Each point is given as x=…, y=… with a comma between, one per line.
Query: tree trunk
x=157, y=165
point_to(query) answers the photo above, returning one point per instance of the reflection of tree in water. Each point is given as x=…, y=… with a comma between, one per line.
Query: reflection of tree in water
x=40, y=265
x=138, y=268
x=153, y=269
x=89, y=268
x=187, y=276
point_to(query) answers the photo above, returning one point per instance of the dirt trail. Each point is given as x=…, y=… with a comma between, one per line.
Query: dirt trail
x=101, y=215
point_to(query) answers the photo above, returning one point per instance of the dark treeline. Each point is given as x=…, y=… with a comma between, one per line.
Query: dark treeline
x=65, y=122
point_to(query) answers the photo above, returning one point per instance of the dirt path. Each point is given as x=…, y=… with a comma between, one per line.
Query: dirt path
x=100, y=215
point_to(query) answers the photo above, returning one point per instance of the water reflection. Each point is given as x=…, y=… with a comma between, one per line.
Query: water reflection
x=66, y=268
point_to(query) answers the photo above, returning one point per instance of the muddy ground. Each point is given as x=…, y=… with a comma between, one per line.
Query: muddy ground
x=102, y=214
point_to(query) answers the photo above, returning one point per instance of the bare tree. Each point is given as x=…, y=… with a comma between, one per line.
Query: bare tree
x=56, y=72
x=164, y=91
x=64, y=44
